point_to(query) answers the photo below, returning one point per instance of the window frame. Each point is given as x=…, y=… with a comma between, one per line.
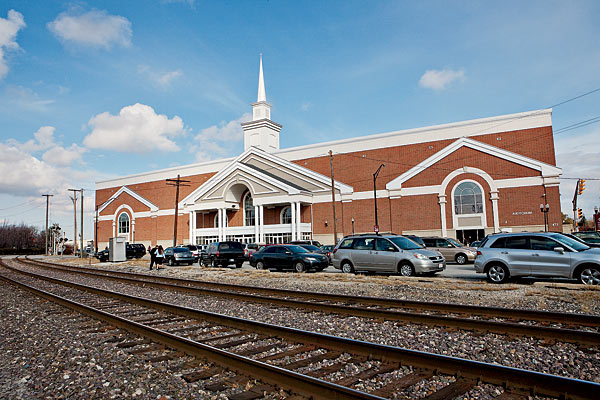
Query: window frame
x=282, y=214
x=119, y=232
x=455, y=196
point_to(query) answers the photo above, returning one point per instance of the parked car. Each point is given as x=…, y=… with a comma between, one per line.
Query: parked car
x=102, y=255
x=386, y=253
x=178, y=255
x=311, y=242
x=507, y=255
x=451, y=249
x=194, y=249
x=249, y=249
x=288, y=256
x=223, y=254
x=134, y=250
x=476, y=243
x=329, y=251
x=581, y=240
x=588, y=236
x=314, y=249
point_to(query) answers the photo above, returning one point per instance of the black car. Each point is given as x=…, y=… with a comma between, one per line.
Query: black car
x=195, y=249
x=223, y=254
x=135, y=250
x=328, y=249
x=288, y=257
x=178, y=255
x=314, y=249
x=102, y=255
x=301, y=242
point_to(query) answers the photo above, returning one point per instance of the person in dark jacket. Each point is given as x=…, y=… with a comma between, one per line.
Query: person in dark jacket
x=153, y=257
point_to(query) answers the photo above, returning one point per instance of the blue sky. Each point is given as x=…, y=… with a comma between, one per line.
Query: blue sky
x=94, y=90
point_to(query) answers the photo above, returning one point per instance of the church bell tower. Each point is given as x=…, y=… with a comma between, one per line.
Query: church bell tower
x=261, y=132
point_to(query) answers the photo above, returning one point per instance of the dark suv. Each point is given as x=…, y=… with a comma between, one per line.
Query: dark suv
x=223, y=254
x=135, y=250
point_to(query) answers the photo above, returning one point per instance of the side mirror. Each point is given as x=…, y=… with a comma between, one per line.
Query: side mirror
x=560, y=250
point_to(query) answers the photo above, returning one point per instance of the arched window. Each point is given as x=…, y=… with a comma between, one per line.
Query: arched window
x=123, y=223
x=286, y=215
x=468, y=198
x=217, y=220
x=249, y=218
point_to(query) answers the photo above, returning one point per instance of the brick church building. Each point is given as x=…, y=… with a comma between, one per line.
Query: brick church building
x=462, y=180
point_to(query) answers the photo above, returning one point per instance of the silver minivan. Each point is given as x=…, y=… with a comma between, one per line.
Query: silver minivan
x=385, y=253
x=451, y=249
x=508, y=255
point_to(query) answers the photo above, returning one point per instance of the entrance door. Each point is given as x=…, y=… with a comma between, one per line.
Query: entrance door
x=468, y=236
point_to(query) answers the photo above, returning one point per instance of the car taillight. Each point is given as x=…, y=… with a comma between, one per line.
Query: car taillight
x=478, y=252
x=334, y=250
x=217, y=253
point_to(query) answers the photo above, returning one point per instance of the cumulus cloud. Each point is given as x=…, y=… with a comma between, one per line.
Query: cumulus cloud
x=94, y=28
x=63, y=157
x=440, y=79
x=219, y=140
x=9, y=28
x=161, y=79
x=137, y=129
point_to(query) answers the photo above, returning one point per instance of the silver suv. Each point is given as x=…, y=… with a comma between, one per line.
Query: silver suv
x=385, y=253
x=537, y=254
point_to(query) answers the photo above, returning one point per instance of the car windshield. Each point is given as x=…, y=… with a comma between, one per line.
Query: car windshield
x=311, y=248
x=572, y=243
x=417, y=239
x=296, y=249
x=180, y=250
x=586, y=235
x=405, y=243
x=454, y=242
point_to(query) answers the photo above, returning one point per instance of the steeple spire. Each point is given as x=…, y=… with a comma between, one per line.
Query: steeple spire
x=261, y=84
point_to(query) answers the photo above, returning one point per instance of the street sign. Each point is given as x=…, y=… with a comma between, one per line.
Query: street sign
x=376, y=228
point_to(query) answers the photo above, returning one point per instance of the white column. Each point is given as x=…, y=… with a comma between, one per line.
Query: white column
x=224, y=219
x=494, y=197
x=114, y=228
x=220, y=222
x=261, y=231
x=192, y=227
x=293, y=207
x=298, y=221
x=256, y=224
x=442, y=201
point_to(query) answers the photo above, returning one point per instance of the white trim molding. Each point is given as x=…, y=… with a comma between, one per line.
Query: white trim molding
x=133, y=194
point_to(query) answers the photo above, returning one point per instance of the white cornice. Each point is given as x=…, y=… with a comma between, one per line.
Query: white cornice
x=133, y=194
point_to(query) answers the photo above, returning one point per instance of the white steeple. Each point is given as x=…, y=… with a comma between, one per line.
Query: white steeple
x=261, y=131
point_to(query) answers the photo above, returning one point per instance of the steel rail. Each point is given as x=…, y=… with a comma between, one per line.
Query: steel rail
x=504, y=328
x=289, y=380
x=520, y=380
x=511, y=313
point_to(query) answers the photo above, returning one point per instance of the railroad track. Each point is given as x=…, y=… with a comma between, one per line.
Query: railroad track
x=304, y=363
x=580, y=329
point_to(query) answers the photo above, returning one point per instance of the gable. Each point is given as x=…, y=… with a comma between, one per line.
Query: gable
x=499, y=163
x=126, y=196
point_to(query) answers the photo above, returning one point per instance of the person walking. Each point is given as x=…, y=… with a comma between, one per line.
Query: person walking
x=152, y=257
x=160, y=256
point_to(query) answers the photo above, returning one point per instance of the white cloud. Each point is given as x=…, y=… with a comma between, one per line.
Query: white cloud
x=24, y=98
x=440, y=79
x=160, y=79
x=44, y=139
x=63, y=157
x=8, y=32
x=137, y=129
x=94, y=28
x=217, y=141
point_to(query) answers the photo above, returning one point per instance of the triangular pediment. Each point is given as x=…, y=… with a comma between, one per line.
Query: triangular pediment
x=264, y=175
x=136, y=196
x=546, y=170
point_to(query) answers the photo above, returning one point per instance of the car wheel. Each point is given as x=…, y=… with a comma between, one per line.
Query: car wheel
x=461, y=259
x=347, y=267
x=190, y=263
x=213, y=263
x=590, y=276
x=260, y=265
x=238, y=265
x=497, y=273
x=406, y=269
x=171, y=263
x=299, y=267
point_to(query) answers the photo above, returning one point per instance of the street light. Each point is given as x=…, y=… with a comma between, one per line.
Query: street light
x=376, y=227
x=353, y=224
x=545, y=210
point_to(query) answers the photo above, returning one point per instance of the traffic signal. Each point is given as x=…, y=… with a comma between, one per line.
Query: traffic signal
x=581, y=186
x=579, y=213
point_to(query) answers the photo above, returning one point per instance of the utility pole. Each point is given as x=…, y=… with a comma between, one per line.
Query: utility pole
x=81, y=254
x=335, y=236
x=176, y=182
x=47, y=196
x=575, y=206
x=375, y=175
x=74, y=199
x=96, y=230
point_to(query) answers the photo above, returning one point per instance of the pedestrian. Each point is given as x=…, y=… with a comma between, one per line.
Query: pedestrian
x=152, y=257
x=160, y=256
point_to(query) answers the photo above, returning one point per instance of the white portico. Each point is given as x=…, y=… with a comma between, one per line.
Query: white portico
x=259, y=198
